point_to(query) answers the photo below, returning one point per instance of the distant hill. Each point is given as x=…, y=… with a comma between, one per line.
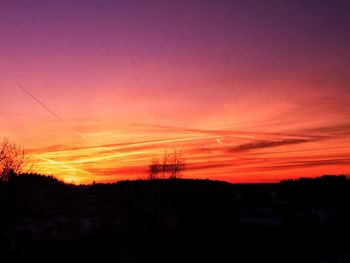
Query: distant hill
x=305, y=220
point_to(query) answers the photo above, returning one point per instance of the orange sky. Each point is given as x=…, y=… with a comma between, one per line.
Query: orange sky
x=249, y=93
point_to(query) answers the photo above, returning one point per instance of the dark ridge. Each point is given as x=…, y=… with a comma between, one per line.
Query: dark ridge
x=45, y=220
x=32, y=179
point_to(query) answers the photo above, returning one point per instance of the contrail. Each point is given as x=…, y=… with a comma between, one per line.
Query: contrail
x=38, y=101
x=55, y=114
x=81, y=134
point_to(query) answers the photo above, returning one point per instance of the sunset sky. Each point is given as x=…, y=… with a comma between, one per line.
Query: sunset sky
x=249, y=91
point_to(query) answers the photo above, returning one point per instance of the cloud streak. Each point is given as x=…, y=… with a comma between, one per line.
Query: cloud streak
x=263, y=144
x=260, y=152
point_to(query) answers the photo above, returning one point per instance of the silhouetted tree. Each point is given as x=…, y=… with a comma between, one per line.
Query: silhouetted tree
x=13, y=160
x=154, y=169
x=176, y=164
x=172, y=165
x=164, y=167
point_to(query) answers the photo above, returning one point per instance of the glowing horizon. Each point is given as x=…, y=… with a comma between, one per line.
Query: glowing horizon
x=249, y=92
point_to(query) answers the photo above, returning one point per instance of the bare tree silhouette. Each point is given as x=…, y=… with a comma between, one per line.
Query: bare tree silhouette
x=154, y=169
x=176, y=164
x=164, y=167
x=171, y=167
x=14, y=160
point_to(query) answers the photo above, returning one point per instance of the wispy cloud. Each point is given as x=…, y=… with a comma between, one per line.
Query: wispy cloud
x=207, y=152
x=263, y=144
x=306, y=164
x=332, y=130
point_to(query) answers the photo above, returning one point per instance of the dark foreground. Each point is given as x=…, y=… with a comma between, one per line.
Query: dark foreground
x=42, y=220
